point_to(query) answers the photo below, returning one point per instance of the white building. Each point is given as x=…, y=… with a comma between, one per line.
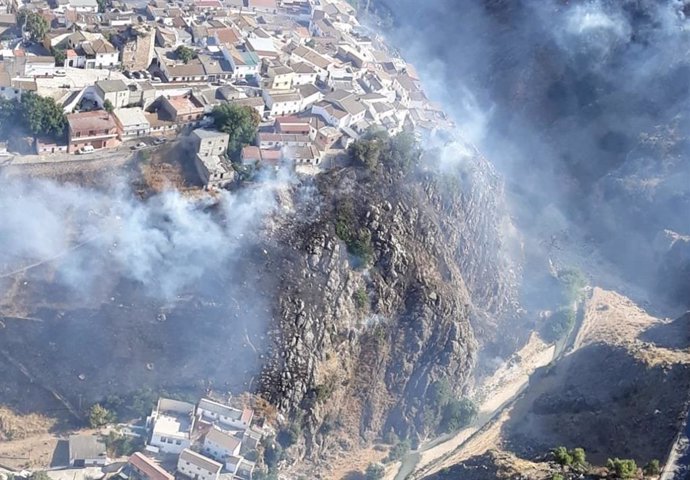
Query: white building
x=172, y=423
x=224, y=415
x=115, y=91
x=131, y=122
x=86, y=451
x=210, y=142
x=281, y=102
x=221, y=445
x=197, y=467
x=84, y=6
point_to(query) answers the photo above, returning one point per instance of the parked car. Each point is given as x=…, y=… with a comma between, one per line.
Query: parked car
x=159, y=141
x=141, y=145
x=85, y=149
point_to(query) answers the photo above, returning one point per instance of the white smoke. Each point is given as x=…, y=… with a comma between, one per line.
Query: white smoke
x=166, y=243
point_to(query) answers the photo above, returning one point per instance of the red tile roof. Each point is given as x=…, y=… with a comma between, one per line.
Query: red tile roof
x=146, y=466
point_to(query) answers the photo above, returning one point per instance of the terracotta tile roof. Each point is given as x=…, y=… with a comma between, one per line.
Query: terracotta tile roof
x=147, y=466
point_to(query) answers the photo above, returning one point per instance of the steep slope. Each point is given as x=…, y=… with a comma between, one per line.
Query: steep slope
x=621, y=392
x=358, y=347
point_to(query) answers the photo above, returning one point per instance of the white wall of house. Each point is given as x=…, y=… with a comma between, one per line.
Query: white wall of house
x=303, y=78
x=229, y=421
x=39, y=69
x=105, y=60
x=194, y=471
x=219, y=452
x=169, y=444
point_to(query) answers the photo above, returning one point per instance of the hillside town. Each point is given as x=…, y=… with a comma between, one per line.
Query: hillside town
x=114, y=77
x=137, y=75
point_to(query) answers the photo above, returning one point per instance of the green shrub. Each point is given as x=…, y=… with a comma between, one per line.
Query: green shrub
x=623, y=468
x=361, y=298
x=558, y=325
x=652, y=468
x=289, y=436
x=375, y=471
x=399, y=450
x=458, y=414
x=579, y=456
x=100, y=416
x=562, y=456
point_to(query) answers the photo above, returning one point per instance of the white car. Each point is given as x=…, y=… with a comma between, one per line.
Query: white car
x=140, y=145
x=85, y=149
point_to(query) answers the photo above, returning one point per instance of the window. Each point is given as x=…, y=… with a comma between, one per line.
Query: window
x=163, y=439
x=178, y=442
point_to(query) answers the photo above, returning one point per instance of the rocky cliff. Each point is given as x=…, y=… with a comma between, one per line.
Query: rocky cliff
x=360, y=336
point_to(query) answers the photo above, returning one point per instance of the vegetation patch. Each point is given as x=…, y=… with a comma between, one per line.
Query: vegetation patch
x=444, y=413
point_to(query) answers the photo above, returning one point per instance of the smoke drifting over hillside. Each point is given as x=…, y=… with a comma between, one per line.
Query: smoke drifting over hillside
x=166, y=243
x=581, y=105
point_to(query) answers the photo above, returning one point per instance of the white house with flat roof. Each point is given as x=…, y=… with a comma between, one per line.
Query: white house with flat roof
x=171, y=424
x=131, y=123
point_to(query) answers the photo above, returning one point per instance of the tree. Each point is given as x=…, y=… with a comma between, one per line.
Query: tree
x=33, y=23
x=557, y=476
x=399, y=450
x=652, y=468
x=100, y=416
x=8, y=116
x=42, y=116
x=458, y=414
x=623, y=468
x=102, y=5
x=375, y=471
x=240, y=122
x=108, y=106
x=562, y=456
x=365, y=153
x=60, y=56
x=185, y=53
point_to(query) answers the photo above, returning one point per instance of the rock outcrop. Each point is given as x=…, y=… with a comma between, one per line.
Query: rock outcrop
x=357, y=346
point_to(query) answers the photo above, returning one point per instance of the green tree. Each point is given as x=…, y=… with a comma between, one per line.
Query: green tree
x=458, y=414
x=240, y=122
x=375, y=471
x=652, y=468
x=558, y=324
x=399, y=450
x=273, y=453
x=185, y=54
x=562, y=456
x=289, y=436
x=623, y=468
x=34, y=23
x=42, y=116
x=102, y=5
x=60, y=56
x=100, y=416
x=108, y=106
x=557, y=476
x=365, y=153
x=8, y=116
